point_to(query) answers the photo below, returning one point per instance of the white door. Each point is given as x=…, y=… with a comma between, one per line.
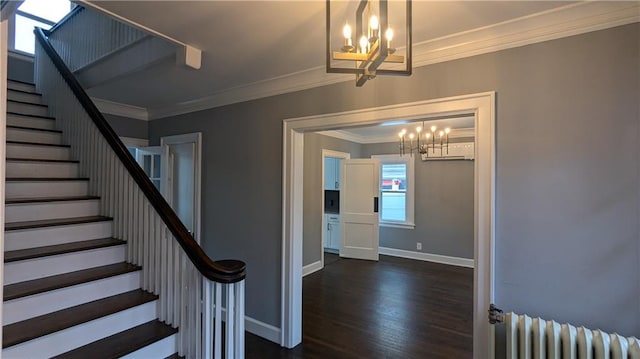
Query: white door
x=154, y=163
x=359, y=208
x=183, y=185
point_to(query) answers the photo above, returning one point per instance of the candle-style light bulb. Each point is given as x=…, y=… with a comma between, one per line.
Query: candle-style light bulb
x=374, y=23
x=441, y=133
x=433, y=128
x=363, y=44
x=427, y=135
x=447, y=130
x=389, y=36
x=346, y=31
x=418, y=129
x=411, y=136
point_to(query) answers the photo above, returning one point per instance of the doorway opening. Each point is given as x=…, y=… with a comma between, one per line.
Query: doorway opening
x=482, y=107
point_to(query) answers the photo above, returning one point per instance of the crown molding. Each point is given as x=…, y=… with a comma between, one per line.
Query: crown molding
x=363, y=140
x=564, y=21
x=121, y=109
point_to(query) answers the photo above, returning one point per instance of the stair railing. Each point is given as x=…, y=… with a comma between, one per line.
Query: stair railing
x=191, y=286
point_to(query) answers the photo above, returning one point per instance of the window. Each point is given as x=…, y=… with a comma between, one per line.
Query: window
x=396, y=190
x=32, y=13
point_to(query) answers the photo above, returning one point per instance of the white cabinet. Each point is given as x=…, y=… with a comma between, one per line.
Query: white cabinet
x=332, y=231
x=331, y=173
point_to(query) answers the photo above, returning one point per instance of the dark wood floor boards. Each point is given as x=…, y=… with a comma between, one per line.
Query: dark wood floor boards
x=394, y=308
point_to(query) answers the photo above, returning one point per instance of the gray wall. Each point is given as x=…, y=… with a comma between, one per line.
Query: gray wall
x=568, y=186
x=128, y=127
x=443, y=207
x=18, y=68
x=313, y=190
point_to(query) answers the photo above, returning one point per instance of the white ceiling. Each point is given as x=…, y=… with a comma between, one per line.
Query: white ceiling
x=248, y=42
x=257, y=44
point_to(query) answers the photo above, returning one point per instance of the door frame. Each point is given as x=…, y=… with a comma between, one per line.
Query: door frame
x=195, y=137
x=482, y=106
x=333, y=154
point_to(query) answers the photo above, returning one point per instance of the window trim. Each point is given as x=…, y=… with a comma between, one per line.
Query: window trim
x=409, y=223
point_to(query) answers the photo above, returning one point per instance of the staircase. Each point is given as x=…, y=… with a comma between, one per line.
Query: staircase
x=68, y=291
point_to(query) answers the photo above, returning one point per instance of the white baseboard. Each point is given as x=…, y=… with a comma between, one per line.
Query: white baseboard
x=261, y=329
x=436, y=258
x=311, y=268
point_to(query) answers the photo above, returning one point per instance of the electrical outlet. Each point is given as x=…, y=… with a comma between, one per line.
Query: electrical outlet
x=419, y=246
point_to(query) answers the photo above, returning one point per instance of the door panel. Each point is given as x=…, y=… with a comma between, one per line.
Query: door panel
x=358, y=217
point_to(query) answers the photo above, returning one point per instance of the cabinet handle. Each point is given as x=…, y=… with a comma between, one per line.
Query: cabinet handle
x=336, y=185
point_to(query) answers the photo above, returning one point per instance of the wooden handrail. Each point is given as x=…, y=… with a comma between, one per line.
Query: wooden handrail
x=226, y=271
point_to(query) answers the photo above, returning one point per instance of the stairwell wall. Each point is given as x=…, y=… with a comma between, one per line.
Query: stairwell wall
x=567, y=171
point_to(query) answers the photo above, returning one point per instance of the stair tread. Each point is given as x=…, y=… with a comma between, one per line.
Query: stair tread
x=123, y=343
x=35, y=286
x=32, y=129
x=27, y=103
x=36, y=144
x=49, y=199
x=23, y=91
x=29, y=329
x=21, y=82
x=44, y=179
x=11, y=159
x=39, y=252
x=29, y=115
x=12, y=226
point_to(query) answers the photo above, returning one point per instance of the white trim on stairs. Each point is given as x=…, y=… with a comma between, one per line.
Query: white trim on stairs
x=428, y=257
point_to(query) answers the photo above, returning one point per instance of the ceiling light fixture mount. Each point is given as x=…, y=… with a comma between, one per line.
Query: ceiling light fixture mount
x=371, y=50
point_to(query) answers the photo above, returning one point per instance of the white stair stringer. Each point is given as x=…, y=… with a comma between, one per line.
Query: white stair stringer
x=37, y=189
x=161, y=349
x=20, y=86
x=33, y=211
x=41, y=169
x=37, y=152
x=24, y=96
x=27, y=108
x=32, y=306
x=34, y=135
x=79, y=335
x=48, y=236
x=14, y=119
x=36, y=268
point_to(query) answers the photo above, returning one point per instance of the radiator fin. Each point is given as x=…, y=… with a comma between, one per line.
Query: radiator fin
x=535, y=338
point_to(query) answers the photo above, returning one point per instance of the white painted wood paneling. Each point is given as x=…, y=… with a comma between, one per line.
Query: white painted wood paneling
x=26, y=151
x=27, y=109
x=48, y=236
x=24, y=96
x=33, y=169
x=30, y=121
x=51, y=210
x=39, y=304
x=20, y=271
x=17, y=85
x=36, y=189
x=27, y=135
x=79, y=335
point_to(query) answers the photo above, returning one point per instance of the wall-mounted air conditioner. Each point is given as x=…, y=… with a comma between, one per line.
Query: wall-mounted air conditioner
x=456, y=151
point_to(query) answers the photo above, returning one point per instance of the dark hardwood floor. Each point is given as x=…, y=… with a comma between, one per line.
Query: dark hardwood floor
x=394, y=308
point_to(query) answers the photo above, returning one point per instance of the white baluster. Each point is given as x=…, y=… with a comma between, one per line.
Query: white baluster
x=239, y=320
x=207, y=333
x=217, y=339
x=230, y=323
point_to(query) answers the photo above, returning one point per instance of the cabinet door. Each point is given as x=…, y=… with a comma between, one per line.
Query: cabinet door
x=335, y=235
x=329, y=173
x=337, y=172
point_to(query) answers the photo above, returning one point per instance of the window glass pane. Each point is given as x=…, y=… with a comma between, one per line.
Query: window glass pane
x=147, y=165
x=156, y=166
x=52, y=10
x=394, y=177
x=393, y=206
x=25, y=40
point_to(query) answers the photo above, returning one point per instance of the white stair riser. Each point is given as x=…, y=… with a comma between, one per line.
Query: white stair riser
x=34, y=122
x=48, y=236
x=161, y=349
x=24, y=135
x=51, y=210
x=83, y=334
x=13, y=85
x=27, y=109
x=38, y=152
x=21, y=271
x=35, y=189
x=30, y=169
x=20, y=309
x=24, y=96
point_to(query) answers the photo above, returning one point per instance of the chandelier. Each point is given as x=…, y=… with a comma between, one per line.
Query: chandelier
x=434, y=143
x=372, y=45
